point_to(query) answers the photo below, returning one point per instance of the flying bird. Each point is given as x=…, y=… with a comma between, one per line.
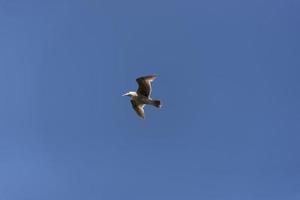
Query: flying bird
x=141, y=97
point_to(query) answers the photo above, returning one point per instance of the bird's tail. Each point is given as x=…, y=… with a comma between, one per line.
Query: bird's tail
x=156, y=103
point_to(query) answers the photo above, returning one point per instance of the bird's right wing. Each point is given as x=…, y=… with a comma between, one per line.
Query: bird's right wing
x=145, y=85
x=139, y=108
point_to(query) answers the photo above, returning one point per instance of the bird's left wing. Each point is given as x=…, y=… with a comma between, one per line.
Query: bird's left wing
x=145, y=85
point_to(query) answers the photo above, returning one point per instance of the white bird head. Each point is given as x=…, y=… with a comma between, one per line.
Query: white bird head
x=130, y=94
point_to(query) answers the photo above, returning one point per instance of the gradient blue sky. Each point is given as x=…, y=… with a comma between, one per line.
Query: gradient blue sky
x=228, y=76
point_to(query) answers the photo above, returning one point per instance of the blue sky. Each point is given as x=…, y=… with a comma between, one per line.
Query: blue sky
x=228, y=77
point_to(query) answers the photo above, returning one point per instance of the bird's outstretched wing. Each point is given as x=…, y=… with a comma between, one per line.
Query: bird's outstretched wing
x=139, y=108
x=145, y=85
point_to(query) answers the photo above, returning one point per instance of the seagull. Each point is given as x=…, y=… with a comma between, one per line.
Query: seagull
x=141, y=97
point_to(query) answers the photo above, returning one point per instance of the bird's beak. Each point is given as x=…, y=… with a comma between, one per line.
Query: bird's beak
x=125, y=94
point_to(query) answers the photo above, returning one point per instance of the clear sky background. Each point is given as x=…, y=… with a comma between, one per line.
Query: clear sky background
x=228, y=76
